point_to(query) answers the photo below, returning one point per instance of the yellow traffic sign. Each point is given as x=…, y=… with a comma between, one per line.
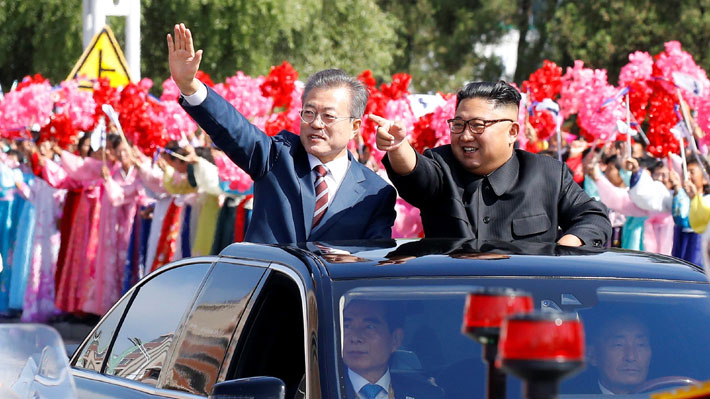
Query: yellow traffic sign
x=103, y=58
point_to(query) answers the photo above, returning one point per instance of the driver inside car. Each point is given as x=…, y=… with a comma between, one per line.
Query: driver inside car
x=372, y=332
x=621, y=353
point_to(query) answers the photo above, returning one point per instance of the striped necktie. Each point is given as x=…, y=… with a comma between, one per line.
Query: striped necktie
x=321, y=194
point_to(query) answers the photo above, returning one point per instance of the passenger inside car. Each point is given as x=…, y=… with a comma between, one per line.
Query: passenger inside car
x=372, y=332
x=621, y=353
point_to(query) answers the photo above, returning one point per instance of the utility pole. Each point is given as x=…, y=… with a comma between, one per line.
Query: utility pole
x=94, y=17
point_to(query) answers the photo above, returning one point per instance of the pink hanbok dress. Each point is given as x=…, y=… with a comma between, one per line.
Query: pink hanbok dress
x=39, y=296
x=123, y=193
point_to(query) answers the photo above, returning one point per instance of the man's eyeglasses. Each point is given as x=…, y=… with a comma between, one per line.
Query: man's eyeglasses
x=477, y=126
x=309, y=116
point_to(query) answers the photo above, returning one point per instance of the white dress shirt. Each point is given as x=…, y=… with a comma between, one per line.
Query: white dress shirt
x=197, y=97
x=337, y=169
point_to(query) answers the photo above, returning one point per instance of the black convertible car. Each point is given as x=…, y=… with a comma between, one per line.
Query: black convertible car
x=287, y=312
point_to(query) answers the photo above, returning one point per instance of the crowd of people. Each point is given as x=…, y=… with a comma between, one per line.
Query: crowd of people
x=81, y=226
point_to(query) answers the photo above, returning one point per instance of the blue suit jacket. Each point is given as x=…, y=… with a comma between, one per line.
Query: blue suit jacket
x=284, y=196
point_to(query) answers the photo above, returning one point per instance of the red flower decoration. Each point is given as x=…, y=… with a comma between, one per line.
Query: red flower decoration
x=544, y=83
x=367, y=79
x=104, y=94
x=139, y=116
x=29, y=80
x=205, y=78
x=377, y=102
x=277, y=122
x=423, y=135
x=544, y=124
x=61, y=129
x=398, y=88
x=639, y=93
x=661, y=119
x=279, y=85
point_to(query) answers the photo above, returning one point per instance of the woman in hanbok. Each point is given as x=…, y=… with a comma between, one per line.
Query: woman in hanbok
x=687, y=241
x=11, y=206
x=79, y=276
x=71, y=200
x=151, y=176
x=39, y=297
x=123, y=193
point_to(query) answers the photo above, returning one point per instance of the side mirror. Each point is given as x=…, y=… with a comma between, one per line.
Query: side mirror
x=252, y=387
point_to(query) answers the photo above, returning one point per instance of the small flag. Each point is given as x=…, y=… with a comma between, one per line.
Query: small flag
x=548, y=105
x=688, y=83
x=98, y=136
x=680, y=131
x=156, y=154
x=624, y=128
x=422, y=104
x=618, y=95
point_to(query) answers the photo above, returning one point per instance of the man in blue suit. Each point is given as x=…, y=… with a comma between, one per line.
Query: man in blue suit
x=372, y=332
x=306, y=188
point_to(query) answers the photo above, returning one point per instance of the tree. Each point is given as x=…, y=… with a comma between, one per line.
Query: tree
x=441, y=40
x=603, y=33
x=39, y=37
x=252, y=36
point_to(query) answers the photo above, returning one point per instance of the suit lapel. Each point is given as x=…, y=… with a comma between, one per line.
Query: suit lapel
x=308, y=192
x=349, y=193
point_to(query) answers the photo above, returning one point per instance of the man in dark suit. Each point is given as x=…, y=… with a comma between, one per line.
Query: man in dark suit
x=306, y=188
x=480, y=187
x=621, y=354
x=372, y=332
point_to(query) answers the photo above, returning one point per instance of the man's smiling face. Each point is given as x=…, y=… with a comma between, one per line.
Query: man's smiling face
x=483, y=153
x=328, y=142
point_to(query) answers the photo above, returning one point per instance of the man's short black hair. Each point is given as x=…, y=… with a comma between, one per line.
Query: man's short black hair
x=499, y=93
x=393, y=312
x=174, y=146
x=656, y=165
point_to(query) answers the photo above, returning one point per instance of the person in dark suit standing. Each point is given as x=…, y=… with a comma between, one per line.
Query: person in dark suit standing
x=372, y=332
x=480, y=187
x=306, y=188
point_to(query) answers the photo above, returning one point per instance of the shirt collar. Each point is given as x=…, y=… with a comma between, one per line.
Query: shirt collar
x=503, y=178
x=605, y=390
x=358, y=381
x=337, y=167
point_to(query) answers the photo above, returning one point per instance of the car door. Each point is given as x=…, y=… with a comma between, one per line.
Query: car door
x=271, y=339
x=124, y=354
x=168, y=337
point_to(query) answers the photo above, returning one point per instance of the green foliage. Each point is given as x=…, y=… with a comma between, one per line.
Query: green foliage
x=39, y=37
x=438, y=39
x=438, y=42
x=602, y=33
x=252, y=36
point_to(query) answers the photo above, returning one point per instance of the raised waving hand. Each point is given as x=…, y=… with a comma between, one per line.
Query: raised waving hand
x=184, y=60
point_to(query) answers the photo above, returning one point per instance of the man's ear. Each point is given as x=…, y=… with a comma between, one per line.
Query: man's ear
x=513, y=132
x=397, y=337
x=356, y=126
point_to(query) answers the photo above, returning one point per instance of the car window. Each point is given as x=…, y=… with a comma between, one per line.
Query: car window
x=149, y=328
x=640, y=336
x=92, y=354
x=272, y=343
x=210, y=326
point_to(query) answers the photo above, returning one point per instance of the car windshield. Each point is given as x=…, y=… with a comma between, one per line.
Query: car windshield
x=641, y=336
